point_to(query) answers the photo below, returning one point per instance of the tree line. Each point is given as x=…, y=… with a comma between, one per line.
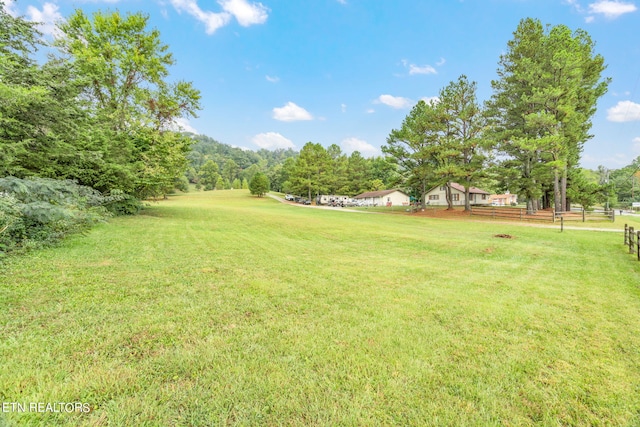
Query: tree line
x=311, y=171
x=527, y=137
x=88, y=124
x=100, y=110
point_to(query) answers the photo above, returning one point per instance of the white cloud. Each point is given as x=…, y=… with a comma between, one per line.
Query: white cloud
x=342, y=1
x=624, y=111
x=246, y=13
x=273, y=79
x=9, y=7
x=395, y=101
x=611, y=8
x=349, y=145
x=211, y=20
x=343, y=108
x=182, y=125
x=425, y=69
x=46, y=18
x=589, y=19
x=370, y=111
x=441, y=62
x=575, y=4
x=272, y=141
x=417, y=69
x=291, y=113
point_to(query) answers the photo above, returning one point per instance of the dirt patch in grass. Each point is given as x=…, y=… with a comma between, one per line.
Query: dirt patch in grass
x=504, y=236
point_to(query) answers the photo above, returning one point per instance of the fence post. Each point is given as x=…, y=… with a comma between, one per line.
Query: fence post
x=553, y=212
x=631, y=236
x=584, y=219
x=626, y=234
x=638, y=244
x=613, y=215
x=561, y=224
x=520, y=214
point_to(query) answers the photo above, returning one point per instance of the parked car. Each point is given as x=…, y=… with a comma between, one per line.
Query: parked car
x=289, y=197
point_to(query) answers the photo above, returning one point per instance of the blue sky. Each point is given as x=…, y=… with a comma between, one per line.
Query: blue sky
x=280, y=73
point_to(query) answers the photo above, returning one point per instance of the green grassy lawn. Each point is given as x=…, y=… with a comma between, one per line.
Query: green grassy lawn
x=218, y=308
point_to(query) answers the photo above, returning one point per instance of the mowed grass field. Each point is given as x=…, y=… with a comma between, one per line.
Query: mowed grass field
x=219, y=308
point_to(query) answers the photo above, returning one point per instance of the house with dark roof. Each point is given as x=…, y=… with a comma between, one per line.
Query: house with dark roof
x=438, y=195
x=393, y=197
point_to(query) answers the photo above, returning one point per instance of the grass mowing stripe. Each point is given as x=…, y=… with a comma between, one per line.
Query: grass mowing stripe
x=222, y=308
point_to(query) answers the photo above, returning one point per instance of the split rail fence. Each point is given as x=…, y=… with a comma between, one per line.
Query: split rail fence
x=632, y=240
x=542, y=215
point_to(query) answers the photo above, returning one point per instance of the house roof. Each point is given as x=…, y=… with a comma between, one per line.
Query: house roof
x=472, y=190
x=380, y=193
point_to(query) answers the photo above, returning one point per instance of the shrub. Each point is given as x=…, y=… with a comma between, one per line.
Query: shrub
x=119, y=203
x=39, y=211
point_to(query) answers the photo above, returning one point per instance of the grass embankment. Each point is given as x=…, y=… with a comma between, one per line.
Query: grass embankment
x=219, y=308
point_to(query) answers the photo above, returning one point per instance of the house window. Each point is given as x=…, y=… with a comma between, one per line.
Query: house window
x=455, y=197
x=434, y=197
x=443, y=188
x=484, y=197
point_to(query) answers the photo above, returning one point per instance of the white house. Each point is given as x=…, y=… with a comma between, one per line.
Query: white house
x=438, y=195
x=384, y=198
x=506, y=199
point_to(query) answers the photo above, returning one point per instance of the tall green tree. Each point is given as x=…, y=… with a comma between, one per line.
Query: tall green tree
x=125, y=71
x=359, y=174
x=259, y=184
x=230, y=170
x=42, y=120
x=209, y=175
x=310, y=172
x=549, y=83
x=337, y=179
x=411, y=148
x=466, y=148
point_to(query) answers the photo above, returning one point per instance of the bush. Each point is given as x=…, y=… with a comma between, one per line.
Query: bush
x=39, y=211
x=119, y=203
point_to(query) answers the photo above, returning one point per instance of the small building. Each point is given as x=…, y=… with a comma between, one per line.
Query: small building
x=438, y=195
x=506, y=199
x=384, y=198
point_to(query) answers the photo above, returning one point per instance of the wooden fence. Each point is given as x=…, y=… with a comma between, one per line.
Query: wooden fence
x=542, y=215
x=632, y=240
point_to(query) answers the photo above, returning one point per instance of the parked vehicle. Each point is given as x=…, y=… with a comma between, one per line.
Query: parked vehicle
x=289, y=197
